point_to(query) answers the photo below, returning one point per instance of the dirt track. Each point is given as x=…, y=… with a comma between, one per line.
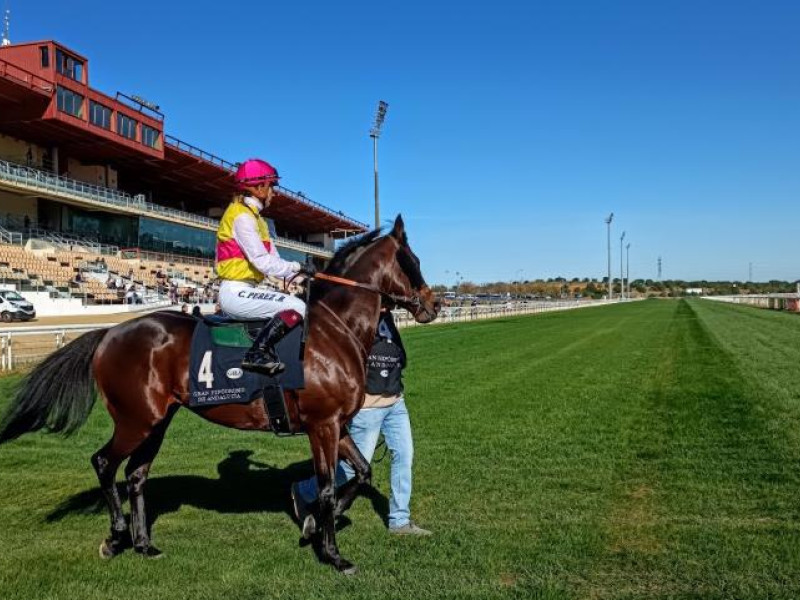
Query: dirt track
x=75, y=320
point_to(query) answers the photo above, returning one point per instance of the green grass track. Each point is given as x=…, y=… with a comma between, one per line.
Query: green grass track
x=647, y=450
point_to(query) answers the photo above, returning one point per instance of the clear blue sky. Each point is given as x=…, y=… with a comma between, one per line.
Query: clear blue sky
x=513, y=129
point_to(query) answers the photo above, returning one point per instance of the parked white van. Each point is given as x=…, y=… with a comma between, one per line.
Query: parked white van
x=14, y=307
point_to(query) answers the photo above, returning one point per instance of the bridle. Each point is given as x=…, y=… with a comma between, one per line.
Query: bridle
x=412, y=303
x=415, y=302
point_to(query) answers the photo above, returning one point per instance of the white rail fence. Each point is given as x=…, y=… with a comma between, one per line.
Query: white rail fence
x=788, y=302
x=26, y=345
x=21, y=346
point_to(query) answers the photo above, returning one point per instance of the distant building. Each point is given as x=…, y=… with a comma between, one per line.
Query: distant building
x=694, y=291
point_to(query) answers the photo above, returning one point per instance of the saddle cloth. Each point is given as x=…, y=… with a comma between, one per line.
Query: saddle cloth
x=215, y=373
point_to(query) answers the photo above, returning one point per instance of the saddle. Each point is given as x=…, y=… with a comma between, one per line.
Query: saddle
x=216, y=377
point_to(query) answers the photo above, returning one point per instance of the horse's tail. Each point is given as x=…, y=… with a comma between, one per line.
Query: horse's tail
x=58, y=394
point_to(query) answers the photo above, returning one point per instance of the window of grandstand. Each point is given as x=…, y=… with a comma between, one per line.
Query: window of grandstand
x=70, y=102
x=99, y=115
x=162, y=236
x=69, y=66
x=44, y=53
x=151, y=137
x=126, y=126
x=292, y=254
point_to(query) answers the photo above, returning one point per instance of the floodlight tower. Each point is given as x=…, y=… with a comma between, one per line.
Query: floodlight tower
x=6, y=40
x=609, y=218
x=621, y=271
x=628, y=266
x=375, y=133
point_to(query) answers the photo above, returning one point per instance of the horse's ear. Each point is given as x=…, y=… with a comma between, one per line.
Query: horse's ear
x=399, y=229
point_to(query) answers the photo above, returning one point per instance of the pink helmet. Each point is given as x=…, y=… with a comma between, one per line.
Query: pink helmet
x=254, y=172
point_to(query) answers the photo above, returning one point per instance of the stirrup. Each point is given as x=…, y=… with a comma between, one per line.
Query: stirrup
x=268, y=368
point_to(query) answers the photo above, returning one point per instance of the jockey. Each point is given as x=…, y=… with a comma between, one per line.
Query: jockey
x=245, y=255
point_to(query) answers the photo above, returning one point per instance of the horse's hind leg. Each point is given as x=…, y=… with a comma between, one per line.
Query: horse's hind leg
x=106, y=461
x=324, y=445
x=136, y=472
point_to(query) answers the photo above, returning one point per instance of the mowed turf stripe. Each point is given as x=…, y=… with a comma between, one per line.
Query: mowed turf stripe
x=540, y=443
x=702, y=511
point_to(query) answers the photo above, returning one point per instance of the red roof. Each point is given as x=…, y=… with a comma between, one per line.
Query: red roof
x=180, y=176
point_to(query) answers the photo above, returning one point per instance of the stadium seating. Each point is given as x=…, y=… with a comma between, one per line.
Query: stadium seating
x=59, y=268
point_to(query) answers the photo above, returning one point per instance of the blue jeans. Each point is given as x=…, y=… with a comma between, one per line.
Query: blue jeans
x=365, y=428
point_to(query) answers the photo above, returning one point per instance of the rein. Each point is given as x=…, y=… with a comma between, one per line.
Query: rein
x=414, y=301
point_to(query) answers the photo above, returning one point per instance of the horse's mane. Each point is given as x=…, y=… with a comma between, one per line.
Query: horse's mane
x=347, y=251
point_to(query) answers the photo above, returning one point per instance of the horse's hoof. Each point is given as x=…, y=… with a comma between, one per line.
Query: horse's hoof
x=351, y=570
x=107, y=550
x=150, y=552
x=345, y=567
x=309, y=527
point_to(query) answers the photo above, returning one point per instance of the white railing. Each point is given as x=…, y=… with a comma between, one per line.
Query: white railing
x=460, y=314
x=10, y=237
x=21, y=346
x=303, y=247
x=777, y=301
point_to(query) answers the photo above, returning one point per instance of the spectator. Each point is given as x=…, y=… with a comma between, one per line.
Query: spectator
x=185, y=308
x=384, y=411
x=196, y=312
x=173, y=294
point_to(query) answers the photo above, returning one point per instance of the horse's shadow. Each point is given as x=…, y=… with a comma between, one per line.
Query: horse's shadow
x=243, y=486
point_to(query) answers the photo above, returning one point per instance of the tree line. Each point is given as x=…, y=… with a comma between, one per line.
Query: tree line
x=598, y=288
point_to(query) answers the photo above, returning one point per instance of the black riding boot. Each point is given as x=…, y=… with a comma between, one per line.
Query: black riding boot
x=261, y=358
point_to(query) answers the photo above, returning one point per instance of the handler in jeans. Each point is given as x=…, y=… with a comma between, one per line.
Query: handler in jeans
x=384, y=411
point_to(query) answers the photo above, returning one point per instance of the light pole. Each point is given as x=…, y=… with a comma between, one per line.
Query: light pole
x=621, y=272
x=608, y=228
x=375, y=133
x=628, y=266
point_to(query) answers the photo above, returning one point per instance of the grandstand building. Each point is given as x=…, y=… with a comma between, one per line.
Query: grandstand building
x=84, y=174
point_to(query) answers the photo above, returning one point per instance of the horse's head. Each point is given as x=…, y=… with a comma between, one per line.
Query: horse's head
x=401, y=277
x=387, y=265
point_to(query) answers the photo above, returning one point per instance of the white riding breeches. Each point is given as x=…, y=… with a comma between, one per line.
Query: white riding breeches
x=244, y=300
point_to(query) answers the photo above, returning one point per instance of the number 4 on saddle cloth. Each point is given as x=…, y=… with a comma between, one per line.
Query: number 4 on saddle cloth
x=216, y=376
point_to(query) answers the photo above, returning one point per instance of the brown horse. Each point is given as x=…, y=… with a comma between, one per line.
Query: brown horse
x=141, y=369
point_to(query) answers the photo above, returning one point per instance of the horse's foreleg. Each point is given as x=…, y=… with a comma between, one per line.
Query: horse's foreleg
x=349, y=452
x=324, y=440
x=136, y=471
